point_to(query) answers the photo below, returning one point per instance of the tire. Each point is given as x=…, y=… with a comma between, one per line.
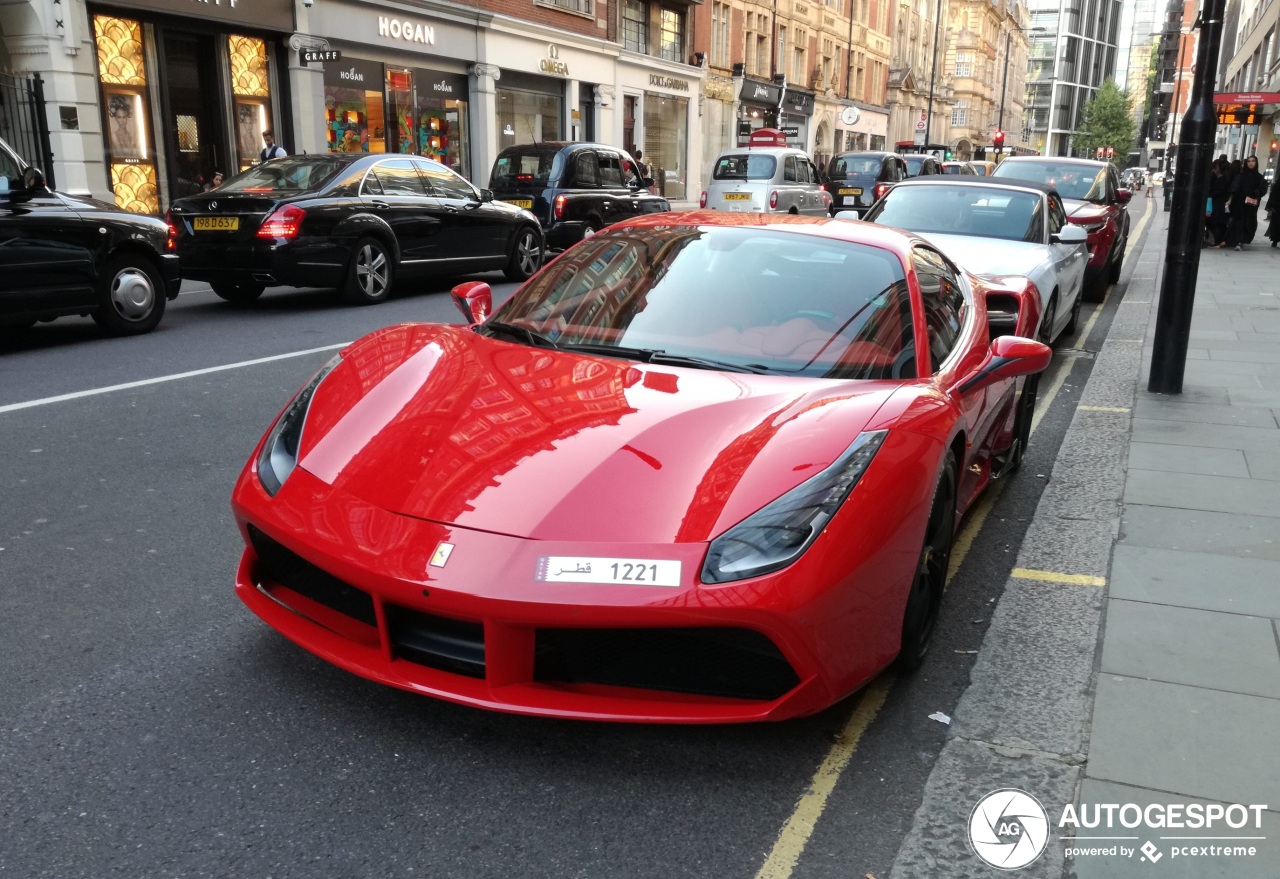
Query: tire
x=237, y=292
x=1024, y=414
x=593, y=226
x=1075, y=315
x=925, y=599
x=526, y=255
x=369, y=275
x=131, y=296
x=1113, y=272
x=1047, y=319
x=1095, y=288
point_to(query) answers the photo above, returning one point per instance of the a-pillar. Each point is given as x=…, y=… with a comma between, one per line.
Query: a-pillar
x=484, y=110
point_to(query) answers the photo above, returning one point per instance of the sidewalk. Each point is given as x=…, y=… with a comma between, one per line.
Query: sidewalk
x=1134, y=657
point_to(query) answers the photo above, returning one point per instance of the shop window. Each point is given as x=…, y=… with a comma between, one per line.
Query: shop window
x=666, y=132
x=353, y=102
x=528, y=117
x=122, y=83
x=251, y=88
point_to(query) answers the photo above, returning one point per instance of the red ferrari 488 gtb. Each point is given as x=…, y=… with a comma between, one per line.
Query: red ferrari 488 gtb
x=701, y=468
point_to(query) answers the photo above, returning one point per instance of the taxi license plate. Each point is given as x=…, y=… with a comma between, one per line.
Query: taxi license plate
x=737, y=196
x=216, y=224
x=526, y=203
x=851, y=191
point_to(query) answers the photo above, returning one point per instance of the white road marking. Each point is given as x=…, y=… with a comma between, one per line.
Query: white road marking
x=93, y=392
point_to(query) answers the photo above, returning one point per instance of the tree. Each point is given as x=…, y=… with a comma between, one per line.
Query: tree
x=1107, y=122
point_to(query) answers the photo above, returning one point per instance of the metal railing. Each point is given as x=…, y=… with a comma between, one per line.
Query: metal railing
x=24, y=125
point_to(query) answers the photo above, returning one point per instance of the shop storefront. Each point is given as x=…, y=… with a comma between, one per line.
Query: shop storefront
x=531, y=108
x=862, y=129
x=758, y=103
x=666, y=133
x=794, y=119
x=183, y=96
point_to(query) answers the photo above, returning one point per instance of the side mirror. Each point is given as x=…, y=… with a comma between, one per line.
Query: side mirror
x=33, y=178
x=1009, y=357
x=486, y=195
x=1071, y=234
x=848, y=215
x=647, y=181
x=474, y=299
x=1123, y=196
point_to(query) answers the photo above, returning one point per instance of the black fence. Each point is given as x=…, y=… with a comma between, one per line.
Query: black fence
x=24, y=124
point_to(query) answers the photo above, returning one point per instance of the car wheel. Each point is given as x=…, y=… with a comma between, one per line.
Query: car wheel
x=130, y=296
x=237, y=292
x=1113, y=274
x=1024, y=414
x=592, y=227
x=526, y=256
x=1095, y=288
x=369, y=274
x=1046, y=320
x=925, y=599
x=1075, y=316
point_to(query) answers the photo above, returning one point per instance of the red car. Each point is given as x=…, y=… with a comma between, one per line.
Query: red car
x=701, y=468
x=1094, y=198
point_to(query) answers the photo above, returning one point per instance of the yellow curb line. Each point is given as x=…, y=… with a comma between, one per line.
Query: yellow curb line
x=1102, y=408
x=1054, y=577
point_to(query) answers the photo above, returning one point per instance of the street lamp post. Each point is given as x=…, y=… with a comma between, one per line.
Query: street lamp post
x=933, y=75
x=1004, y=80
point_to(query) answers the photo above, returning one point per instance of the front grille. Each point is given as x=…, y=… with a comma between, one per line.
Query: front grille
x=436, y=642
x=286, y=567
x=732, y=663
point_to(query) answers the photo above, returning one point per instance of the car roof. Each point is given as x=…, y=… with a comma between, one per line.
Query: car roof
x=1057, y=160
x=555, y=146
x=776, y=150
x=977, y=180
x=881, y=153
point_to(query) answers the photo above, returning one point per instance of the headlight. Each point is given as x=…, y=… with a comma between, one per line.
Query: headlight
x=280, y=451
x=777, y=534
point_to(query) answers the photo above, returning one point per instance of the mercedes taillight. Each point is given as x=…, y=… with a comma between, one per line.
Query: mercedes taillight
x=284, y=222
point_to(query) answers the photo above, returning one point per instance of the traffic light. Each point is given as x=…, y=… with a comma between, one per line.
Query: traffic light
x=1275, y=145
x=947, y=155
x=997, y=140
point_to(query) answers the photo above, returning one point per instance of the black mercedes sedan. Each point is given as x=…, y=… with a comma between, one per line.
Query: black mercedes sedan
x=361, y=223
x=62, y=255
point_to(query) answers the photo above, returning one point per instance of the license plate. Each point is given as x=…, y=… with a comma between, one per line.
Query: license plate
x=216, y=224
x=737, y=196
x=857, y=191
x=526, y=203
x=620, y=572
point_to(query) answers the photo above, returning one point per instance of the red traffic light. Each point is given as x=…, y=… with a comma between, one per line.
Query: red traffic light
x=997, y=139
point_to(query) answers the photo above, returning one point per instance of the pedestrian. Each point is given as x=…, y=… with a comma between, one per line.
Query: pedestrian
x=646, y=173
x=1149, y=184
x=1216, y=209
x=1246, y=192
x=213, y=182
x=1273, y=211
x=272, y=150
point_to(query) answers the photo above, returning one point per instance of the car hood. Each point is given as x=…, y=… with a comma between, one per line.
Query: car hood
x=1076, y=207
x=442, y=424
x=990, y=256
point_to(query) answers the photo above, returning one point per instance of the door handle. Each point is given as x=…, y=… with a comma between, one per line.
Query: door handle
x=451, y=209
x=380, y=205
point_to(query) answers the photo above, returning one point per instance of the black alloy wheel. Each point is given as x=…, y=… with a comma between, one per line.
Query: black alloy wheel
x=131, y=296
x=526, y=255
x=1113, y=274
x=1075, y=316
x=369, y=275
x=237, y=292
x=1047, y=319
x=925, y=599
x=1024, y=413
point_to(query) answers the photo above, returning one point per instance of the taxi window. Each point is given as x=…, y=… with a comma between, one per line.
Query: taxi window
x=586, y=170
x=745, y=166
x=610, y=169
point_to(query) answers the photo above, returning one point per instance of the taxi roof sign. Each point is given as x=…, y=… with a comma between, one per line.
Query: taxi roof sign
x=770, y=137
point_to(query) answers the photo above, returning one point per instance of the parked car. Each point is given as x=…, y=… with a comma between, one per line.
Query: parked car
x=958, y=168
x=360, y=221
x=721, y=489
x=1094, y=199
x=64, y=255
x=766, y=176
x=857, y=180
x=921, y=164
x=574, y=189
x=996, y=228
x=982, y=167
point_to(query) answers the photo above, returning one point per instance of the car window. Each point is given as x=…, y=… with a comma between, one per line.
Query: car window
x=770, y=301
x=789, y=169
x=745, y=166
x=1057, y=215
x=586, y=170
x=844, y=165
x=9, y=167
x=399, y=177
x=956, y=209
x=944, y=303
x=445, y=183
x=610, y=169
x=532, y=168
x=1078, y=180
x=295, y=174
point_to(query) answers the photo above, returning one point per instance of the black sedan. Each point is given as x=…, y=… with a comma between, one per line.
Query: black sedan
x=61, y=255
x=356, y=222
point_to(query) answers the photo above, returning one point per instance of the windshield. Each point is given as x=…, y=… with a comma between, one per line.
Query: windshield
x=914, y=164
x=776, y=302
x=530, y=169
x=745, y=166
x=842, y=166
x=294, y=174
x=955, y=209
x=1079, y=181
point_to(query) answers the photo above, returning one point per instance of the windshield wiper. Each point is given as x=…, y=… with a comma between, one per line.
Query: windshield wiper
x=537, y=340
x=661, y=357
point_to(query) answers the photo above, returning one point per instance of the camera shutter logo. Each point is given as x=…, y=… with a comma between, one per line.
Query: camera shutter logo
x=1008, y=829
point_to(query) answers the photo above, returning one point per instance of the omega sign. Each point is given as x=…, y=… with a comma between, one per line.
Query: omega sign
x=667, y=82
x=406, y=30
x=552, y=63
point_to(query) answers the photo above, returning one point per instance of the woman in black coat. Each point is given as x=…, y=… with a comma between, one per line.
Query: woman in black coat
x=1247, y=191
x=1219, y=191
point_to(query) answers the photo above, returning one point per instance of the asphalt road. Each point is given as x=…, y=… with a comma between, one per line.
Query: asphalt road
x=153, y=727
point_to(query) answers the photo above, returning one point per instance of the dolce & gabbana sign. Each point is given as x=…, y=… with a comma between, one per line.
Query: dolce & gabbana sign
x=668, y=82
x=272, y=14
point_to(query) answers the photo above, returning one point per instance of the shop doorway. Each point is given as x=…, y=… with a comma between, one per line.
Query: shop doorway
x=192, y=123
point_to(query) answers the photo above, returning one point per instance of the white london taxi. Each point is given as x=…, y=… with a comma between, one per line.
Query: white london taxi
x=766, y=176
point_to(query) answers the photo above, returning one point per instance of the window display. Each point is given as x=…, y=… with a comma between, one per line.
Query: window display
x=666, y=142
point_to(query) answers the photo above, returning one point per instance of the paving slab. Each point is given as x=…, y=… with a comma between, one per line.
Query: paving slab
x=1166, y=409
x=1193, y=491
x=1200, y=531
x=1188, y=459
x=1263, y=465
x=1185, y=740
x=1191, y=393
x=1185, y=433
x=1265, y=864
x=1196, y=579
x=1202, y=648
x=1268, y=396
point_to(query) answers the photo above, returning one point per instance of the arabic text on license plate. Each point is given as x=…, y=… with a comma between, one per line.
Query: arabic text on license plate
x=627, y=572
x=525, y=203
x=216, y=224
x=737, y=196
x=851, y=191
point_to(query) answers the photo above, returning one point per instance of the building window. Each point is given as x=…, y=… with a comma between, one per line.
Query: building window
x=635, y=26
x=749, y=59
x=720, y=35
x=122, y=80
x=964, y=64
x=586, y=7
x=762, y=54
x=960, y=114
x=672, y=48
x=782, y=46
